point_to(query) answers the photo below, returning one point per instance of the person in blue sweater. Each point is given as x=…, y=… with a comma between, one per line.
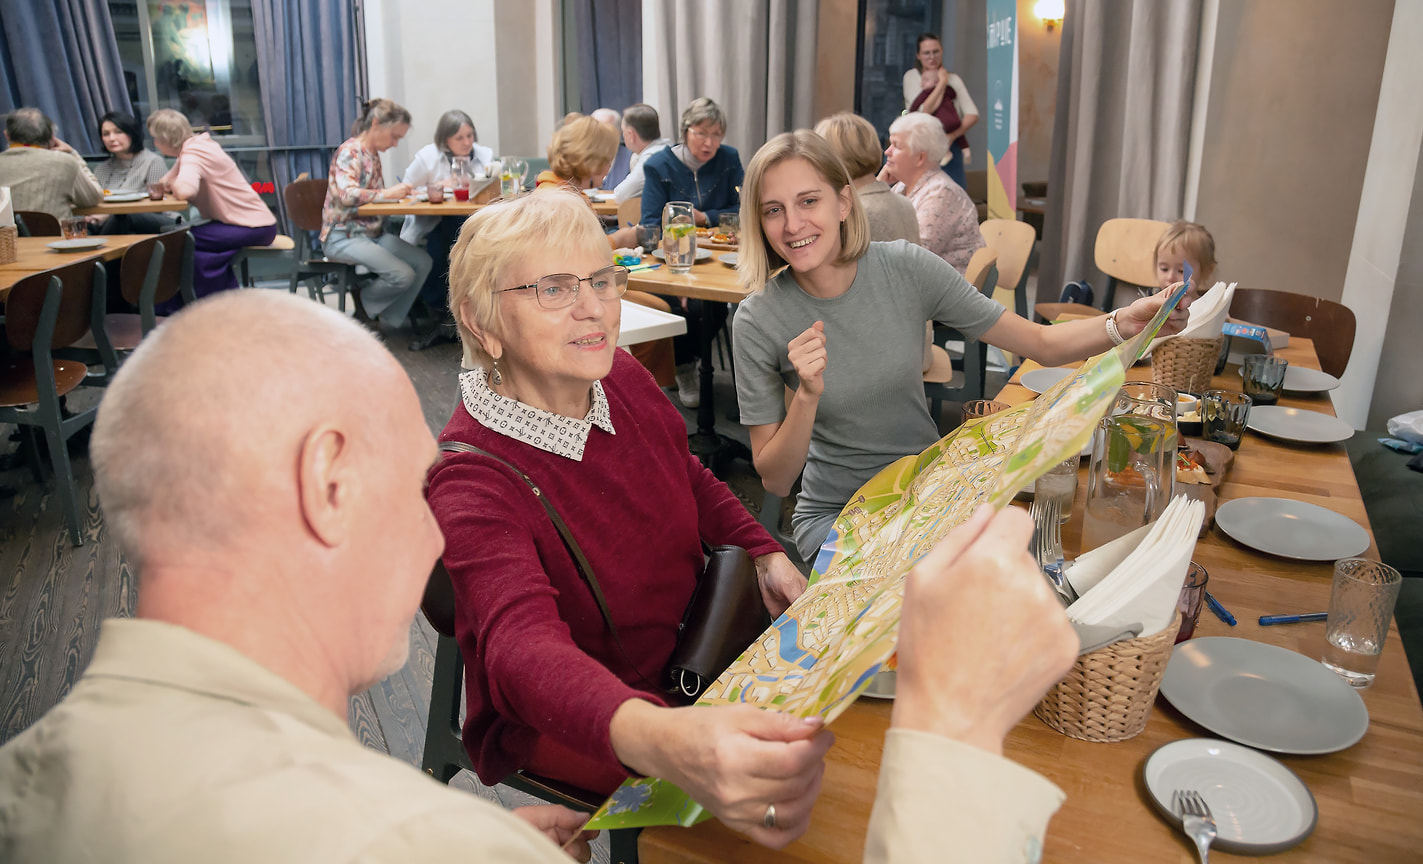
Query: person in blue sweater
x=707, y=173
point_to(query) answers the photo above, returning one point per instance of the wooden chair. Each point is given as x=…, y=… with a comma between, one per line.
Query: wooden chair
x=1329, y=324
x=972, y=361
x=630, y=212
x=304, y=199
x=1126, y=253
x=280, y=246
x=36, y=223
x=444, y=754
x=45, y=311
x=1013, y=242
x=976, y=185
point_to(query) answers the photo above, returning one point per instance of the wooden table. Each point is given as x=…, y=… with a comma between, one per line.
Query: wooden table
x=32, y=256
x=1370, y=796
x=145, y=205
x=482, y=195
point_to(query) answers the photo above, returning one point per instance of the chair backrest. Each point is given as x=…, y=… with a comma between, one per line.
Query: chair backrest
x=25, y=306
x=1126, y=250
x=438, y=604
x=1013, y=241
x=304, y=199
x=982, y=270
x=136, y=268
x=39, y=223
x=537, y=165
x=630, y=211
x=976, y=185
x=176, y=274
x=1329, y=324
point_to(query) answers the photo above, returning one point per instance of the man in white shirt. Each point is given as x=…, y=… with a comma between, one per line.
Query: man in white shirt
x=643, y=135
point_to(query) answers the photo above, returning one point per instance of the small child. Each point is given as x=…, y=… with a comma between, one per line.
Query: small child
x=1186, y=241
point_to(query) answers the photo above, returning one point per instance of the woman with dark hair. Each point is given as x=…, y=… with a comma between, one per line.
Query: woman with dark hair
x=130, y=168
x=455, y=138
x=355, y=178
x=934, y=90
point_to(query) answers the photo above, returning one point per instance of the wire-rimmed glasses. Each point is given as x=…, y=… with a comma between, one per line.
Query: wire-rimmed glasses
x=560, y=290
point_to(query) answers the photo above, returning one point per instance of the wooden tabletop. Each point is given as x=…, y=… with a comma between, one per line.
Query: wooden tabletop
x=32, y=256
x=485, y=193
x=1370, y=796
x=708, y=280
x=145, y=205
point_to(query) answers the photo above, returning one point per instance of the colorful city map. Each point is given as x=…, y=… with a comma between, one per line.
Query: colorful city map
x=822, y=652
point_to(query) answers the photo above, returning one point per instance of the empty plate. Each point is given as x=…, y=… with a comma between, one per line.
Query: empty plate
x=727, y=258
x=124, y=197
x=1041, y=380
x=78, y=244
x=1301, y=380
x=1264, y=696
x=1296, y=424
x=702, y=254
x=1291, y=529
x=1259, y=806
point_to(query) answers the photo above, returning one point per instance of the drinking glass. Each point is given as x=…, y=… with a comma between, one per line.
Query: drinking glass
x=1131, y=476
x=1060, y=482
x=982, y=408
x=1193, y=597
x=679, y=236
x=74, y=227
x=1223, y=416
x=1264, y=378
x=512, y=171
x=1146, y=399
x=730, y=225
x=1360, y=607
x=435, y=192
x=461, y=170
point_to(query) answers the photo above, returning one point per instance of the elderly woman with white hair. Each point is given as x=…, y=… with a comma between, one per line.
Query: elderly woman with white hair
x=948, y=220
x=210, y=181
x=549, y=686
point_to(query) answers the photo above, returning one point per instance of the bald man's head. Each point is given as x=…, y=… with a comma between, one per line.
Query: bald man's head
x=197, y=440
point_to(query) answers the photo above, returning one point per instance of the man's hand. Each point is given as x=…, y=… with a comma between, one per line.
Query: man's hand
x=57, y=143
x=981, y=636
x=561, y=825
x=781, y=583
x=807, y=355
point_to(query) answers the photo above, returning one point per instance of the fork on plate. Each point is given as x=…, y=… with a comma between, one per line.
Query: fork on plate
x=1196, y=820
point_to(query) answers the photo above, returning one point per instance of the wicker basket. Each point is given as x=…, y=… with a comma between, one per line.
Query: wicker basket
x=7, y=244
x=1108, y=694
x=1185, y=365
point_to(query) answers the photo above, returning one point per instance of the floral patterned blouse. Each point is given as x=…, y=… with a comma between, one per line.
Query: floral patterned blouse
x=948, y=219
x=355, y=178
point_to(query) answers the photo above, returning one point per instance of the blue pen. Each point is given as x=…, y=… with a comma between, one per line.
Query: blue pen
x=1267, y=620
x=1220, y=611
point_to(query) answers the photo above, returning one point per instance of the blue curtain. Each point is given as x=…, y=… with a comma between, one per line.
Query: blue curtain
x=61, y=57
x=308, y=58
x=609, y=54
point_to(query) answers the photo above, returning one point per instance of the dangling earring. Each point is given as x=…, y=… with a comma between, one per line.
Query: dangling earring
x=494, y=375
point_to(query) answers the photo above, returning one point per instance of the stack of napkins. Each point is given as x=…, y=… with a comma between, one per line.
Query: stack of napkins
x=7, y=209
x=1207, y=314
x=1137, y=578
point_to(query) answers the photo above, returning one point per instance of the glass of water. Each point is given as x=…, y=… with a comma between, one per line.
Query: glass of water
x=679, y=236
x=1360, y=607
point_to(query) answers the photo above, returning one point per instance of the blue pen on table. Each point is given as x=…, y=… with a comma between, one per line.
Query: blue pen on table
x=1220, y=611
x=1267, y=620
x=639, y=267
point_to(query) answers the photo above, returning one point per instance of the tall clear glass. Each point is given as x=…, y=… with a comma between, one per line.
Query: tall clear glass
x=1360, y=609
x=512, y=173
x=1131, y=477
x=679, y=236
x=461, y=170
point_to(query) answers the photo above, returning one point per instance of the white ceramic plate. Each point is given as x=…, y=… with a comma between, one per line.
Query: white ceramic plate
x=1296, y=424
x=882, y=685
x=1291, y=529
x=1041, y=380
x=1260, y=807
x=727, y=258
x=702, y=254
x=1301, y=380
x=1264, y=696
x=77, y=244
x=125, y=197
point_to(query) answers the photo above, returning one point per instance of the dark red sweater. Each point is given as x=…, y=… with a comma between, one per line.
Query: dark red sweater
x=538, y=657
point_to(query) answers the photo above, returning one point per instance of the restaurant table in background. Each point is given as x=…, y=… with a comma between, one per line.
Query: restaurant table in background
x=644, y=324
x=33, y=255
x=143, y=205
x=487, y=193
x=1369, y=795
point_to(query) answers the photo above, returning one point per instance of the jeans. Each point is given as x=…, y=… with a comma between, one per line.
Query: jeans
x=956, y=169
x=399, y=267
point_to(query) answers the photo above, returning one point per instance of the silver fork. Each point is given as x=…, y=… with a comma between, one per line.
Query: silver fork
x=1047, y=544
x=1196, y=820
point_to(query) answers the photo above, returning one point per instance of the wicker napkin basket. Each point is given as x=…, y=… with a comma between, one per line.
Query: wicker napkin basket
x=7, y=244
x=1107, y=696
x=1185, y=365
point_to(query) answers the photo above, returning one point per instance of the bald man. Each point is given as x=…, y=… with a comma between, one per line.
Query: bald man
x=274, y=510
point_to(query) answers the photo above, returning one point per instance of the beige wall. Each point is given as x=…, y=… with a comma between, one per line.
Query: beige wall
x=1037, y=92
x=1294, y=88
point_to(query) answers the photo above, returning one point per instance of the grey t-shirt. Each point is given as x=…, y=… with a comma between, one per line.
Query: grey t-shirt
x=873, y=410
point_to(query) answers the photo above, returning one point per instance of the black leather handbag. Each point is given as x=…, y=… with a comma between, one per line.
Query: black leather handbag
x=725, y=615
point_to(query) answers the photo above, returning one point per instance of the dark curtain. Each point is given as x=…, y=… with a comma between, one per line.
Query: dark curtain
x=609, y=54
x=61, y=57
x=308, y=53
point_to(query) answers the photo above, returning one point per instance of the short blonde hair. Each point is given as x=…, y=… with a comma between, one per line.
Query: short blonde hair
x=923, y=133
x=1198, y=245
x=854, y=140
x=582, y=147
x=169, y=128
x=497, y=239
x=700, y=111
x=757, y=258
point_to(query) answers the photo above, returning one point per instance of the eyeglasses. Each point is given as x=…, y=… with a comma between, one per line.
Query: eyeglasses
x=560, y=290
x=698, y=134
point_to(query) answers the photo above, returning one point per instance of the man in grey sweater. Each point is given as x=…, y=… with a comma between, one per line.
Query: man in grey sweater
x=43, y=172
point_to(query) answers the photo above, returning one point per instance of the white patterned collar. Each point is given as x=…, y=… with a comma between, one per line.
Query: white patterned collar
x=554, y=433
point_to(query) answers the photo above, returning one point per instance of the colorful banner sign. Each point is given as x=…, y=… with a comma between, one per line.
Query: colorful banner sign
x=1002, y=109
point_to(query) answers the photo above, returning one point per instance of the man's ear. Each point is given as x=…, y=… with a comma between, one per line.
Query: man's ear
x=326, y=485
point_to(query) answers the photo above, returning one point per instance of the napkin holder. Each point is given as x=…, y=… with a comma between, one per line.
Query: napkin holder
x=8, y=231
x=1186, y=365
x=1107, y=696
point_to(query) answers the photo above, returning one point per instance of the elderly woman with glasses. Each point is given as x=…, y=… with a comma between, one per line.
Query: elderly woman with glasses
x=948, y=219
x=546, y=394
